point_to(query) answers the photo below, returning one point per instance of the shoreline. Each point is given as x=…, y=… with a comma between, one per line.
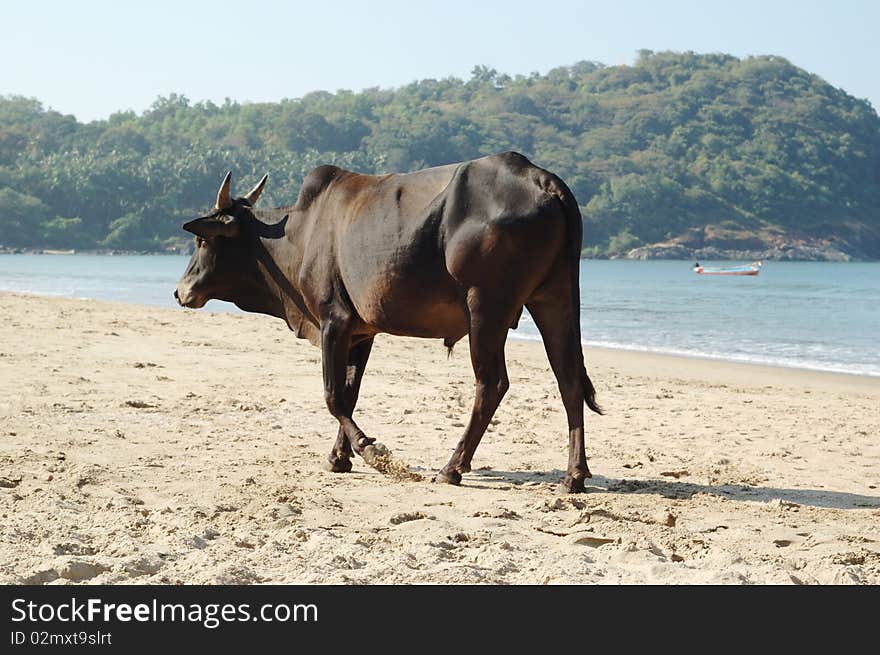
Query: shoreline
x=721, y=370
x=832, y=256
x=149, y=445
x=741, y=362
x=707, y=358
x=513, y=336
x=72, y=252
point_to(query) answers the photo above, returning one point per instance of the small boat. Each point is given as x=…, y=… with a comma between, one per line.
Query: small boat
x=747, y=269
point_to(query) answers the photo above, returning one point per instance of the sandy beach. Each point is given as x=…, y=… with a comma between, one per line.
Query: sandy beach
x=159, y=446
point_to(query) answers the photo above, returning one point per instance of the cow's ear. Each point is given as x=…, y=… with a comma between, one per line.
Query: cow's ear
x=213, y=226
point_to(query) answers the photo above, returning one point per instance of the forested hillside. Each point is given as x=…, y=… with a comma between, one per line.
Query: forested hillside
x=693, y=152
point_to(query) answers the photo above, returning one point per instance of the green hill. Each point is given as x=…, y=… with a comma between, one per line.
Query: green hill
x=697, y=153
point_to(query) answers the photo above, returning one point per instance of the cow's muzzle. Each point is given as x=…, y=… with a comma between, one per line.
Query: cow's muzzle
x=187, y=298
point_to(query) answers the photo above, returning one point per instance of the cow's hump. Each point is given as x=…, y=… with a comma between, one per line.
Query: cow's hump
x=315, y=183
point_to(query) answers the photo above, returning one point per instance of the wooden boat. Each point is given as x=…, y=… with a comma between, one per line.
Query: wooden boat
x=747, y=269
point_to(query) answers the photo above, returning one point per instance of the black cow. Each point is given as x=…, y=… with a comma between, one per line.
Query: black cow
x=440, y=253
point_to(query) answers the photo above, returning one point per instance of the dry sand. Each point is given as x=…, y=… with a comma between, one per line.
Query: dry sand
x=145, y=445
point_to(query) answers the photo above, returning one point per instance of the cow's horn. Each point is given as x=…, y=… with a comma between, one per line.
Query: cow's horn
x=254, y=194
x=223, y=199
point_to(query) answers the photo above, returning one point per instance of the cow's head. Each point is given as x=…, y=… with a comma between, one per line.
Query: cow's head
x=222, y=266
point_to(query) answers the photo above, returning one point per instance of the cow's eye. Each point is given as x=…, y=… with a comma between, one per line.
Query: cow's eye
x=199, y=242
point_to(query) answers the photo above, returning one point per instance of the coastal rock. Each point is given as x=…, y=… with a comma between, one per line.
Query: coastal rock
x=710, y=253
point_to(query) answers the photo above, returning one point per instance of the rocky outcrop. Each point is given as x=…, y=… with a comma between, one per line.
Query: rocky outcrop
x=783, y=253
x=850, y=243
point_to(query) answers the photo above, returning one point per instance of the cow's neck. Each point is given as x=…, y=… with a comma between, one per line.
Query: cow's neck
x=279, y=255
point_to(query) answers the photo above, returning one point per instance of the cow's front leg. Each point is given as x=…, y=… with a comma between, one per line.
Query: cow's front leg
x=340, y=456
x=335, y=346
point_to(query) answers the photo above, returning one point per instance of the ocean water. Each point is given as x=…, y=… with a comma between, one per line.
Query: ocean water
x=823, y=316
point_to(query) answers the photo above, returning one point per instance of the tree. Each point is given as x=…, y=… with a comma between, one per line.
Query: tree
x=20, y=218
x=674, y=144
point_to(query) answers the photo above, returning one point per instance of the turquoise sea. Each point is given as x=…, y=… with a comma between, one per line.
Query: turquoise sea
x=823, y=316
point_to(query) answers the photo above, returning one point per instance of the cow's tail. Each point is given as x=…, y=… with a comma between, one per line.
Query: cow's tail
x=574, y=233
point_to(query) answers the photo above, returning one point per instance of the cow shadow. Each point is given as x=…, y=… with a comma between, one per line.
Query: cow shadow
x=678, y=489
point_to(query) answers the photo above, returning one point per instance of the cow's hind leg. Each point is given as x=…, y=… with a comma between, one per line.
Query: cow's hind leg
x=555, y=318
x=489, y=321
x=340, y=456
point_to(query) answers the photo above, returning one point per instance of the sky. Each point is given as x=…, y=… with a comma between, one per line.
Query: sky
x=92, y=58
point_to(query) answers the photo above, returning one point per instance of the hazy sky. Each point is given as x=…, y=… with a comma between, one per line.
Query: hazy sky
x=92, y=58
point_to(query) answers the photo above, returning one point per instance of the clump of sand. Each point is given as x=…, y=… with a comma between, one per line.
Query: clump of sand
x=380, y=458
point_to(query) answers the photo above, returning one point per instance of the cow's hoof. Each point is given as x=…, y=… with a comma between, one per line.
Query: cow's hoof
x=448, y=476
x=363, y=442
x=338, y=464
x=573, y=485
